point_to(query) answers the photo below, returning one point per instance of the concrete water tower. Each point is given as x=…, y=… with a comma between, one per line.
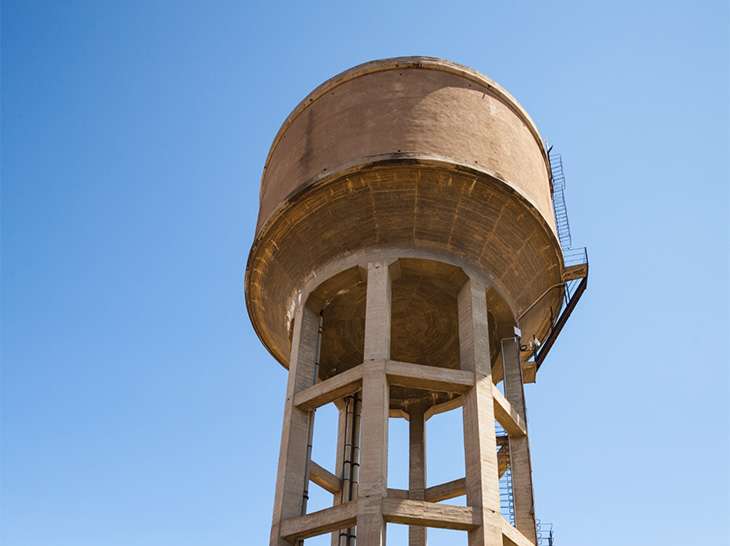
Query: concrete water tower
x=408, y=261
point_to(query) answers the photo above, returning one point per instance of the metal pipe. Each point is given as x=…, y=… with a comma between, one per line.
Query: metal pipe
x=355, y=464
x=347, y=458
x=310, y=440
x=347, y=463
x=538, y=299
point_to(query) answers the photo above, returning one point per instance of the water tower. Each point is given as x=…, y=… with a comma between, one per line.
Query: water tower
x=410, y=258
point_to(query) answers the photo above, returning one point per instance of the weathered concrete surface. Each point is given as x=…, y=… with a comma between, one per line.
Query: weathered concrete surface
x=364, y=511
x=292, y=470
x=420, y=376
x=406, y=207
x=446, y=491
x=324, y=478
x=507, y=416
x=406, y=105
x=332, y=389
x=414, y=152
x=375, y=408
x=480, y=445
x=417, y=467
x=317, y=523
x=444, y=516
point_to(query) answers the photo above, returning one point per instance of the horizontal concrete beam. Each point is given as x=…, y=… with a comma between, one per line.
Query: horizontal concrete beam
x=529, y=372
x=319, y=523
x=445, y=491
x=397, y=413
x=444, y=407
x=429, y=514
x=506, y=416
x=512, y=537
x=503, y=460
x=573, y=272
x=329, y=390
x=405, y=374
x=497, y=369
x=437, y=493
x=397, y=493
x=324, y=478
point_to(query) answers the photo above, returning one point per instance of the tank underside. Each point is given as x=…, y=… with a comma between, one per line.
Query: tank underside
x=453, y=217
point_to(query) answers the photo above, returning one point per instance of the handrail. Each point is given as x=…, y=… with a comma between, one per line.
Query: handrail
x=562, y=319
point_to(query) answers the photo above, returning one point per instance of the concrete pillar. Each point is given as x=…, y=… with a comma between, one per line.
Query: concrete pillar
x=377, y=312
x=480, y=444
x=519, y=448
x=417, y=468
x=291, y=477
x=373, y=485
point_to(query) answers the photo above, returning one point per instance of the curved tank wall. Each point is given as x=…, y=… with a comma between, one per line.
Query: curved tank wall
x=406, y=105
x=413, y=156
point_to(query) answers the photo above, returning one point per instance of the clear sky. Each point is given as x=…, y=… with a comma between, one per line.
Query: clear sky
x=138, y=406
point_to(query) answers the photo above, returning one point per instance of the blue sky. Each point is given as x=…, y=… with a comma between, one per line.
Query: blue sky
x=138, y=406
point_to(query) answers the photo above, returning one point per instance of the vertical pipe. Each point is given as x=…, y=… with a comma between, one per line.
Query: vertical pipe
x=347, y=459
x=355, y=462
x=311, y=421
x=340, y=461
x=347, y=463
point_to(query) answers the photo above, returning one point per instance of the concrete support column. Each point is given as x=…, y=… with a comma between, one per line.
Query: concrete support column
x=417, y=468
x=519, y=448
x=480, y=444
x=291, y=476
x=377, y=312
x=373, y=487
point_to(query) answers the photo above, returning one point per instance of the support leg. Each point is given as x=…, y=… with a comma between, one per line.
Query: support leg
x=417, y=468
x=519, y=448
x=291, y=477
x=480, y=446
x=373, y=485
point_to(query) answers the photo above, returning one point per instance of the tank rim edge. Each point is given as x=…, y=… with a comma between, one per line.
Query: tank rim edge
x=415, y=158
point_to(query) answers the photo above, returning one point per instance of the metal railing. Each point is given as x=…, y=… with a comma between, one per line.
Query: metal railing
x=544, y=534
x=558, y=194
x=575, y=261
x=506, y=494
x=575, y=256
